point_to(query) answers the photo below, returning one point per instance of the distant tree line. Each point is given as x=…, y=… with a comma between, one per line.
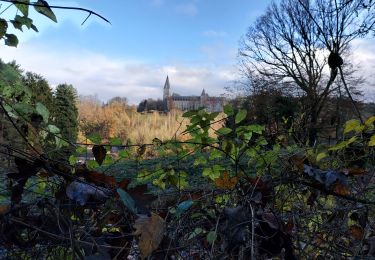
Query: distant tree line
x=152, y=105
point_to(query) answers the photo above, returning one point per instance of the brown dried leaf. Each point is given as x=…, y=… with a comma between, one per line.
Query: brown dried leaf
x=141, y=150
x=99, y=152
x=354, y=171
x=97, y=178
x=226, y=182
x=341, y=189
x=297, y=162
x=4, y=209
x=356, y=232
x=151, y=232
x=123, y=184
x=141, y=198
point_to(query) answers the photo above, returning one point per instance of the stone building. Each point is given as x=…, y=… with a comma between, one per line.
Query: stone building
x=184, y=103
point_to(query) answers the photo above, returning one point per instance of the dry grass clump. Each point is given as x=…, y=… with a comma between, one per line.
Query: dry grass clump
x=145, y=127
x=123, y=121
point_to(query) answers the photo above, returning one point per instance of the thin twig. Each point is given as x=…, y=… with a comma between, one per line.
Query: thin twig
x=60, y=7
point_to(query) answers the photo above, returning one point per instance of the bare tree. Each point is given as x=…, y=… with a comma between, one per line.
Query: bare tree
x=302, y=42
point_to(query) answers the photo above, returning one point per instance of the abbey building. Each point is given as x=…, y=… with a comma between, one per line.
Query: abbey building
x=184, y=103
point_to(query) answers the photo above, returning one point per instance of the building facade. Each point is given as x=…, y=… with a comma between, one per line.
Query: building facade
x=184, y=103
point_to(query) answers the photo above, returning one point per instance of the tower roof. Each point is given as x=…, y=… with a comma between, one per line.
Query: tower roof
x=166, y=84
x=203, y=93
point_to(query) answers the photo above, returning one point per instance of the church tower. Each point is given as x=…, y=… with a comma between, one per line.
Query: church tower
x=167, y=87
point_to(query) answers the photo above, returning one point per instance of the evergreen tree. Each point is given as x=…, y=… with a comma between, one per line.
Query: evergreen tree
x=65, y=116
x=40, y=89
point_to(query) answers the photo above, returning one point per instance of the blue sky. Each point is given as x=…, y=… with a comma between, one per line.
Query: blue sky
x=195, y=42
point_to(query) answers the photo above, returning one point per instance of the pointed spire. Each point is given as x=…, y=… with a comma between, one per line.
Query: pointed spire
x=203, y=93
x=167, y=85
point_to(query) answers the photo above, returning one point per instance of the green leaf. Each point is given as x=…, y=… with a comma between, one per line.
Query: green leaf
x=23, y=109
x=43, y=111
x=213, y=173
x=320, y=156
x=3, y=27
x=351, y=140
x=42, y=7
x=11, y=40
x=127, y=200
x=53, y=129
x=372, y=141
x=10, y=111
x=40, y=187
x=352, y=125
x=115, y=141
x=370, y=121
x=108, y=160
x=201, y=160
x=24, y=20
x=73, y=160
x=95, y=138
x=124, y=153
x=189, y=113
x=339, y=146
x=34, y=28
x=196, y=232
x=224, y=131
x=228, y=110
x=256, y=128
x=343, y=144
x=81, y=150
x=24, y=8
x=241, y=115
x=215, y=154
x=17, y=25
x=92, y=164
x=211, y=237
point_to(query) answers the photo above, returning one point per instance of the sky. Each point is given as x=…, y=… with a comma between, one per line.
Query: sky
x=194, y=42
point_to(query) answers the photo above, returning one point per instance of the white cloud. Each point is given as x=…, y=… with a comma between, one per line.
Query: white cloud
x=218, y=52
x=93, y=73
x=189, y=9
x=213, y=33
x=364, y=57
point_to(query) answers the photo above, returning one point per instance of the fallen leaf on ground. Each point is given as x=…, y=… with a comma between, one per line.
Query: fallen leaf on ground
x=341, y=189
x=226, y=182
x=4, y=209
x=150, y=231
x=356, y=232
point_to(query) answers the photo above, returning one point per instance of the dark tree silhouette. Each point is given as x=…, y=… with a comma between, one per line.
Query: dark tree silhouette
x=303, y=43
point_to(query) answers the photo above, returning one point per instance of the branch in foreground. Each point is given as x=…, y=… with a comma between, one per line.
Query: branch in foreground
x=61, y=7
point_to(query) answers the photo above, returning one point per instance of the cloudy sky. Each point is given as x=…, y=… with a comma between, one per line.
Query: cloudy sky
x=195, y=42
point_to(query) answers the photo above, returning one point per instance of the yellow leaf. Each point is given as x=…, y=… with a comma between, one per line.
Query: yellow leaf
x=372, y=141
x=151, y=232
x=370, y=121
x=320, y=156
x=351, y=140
x=352, y=125
x=224, y=182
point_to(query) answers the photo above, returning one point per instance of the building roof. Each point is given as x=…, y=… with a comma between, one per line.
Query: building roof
x=166, y=84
